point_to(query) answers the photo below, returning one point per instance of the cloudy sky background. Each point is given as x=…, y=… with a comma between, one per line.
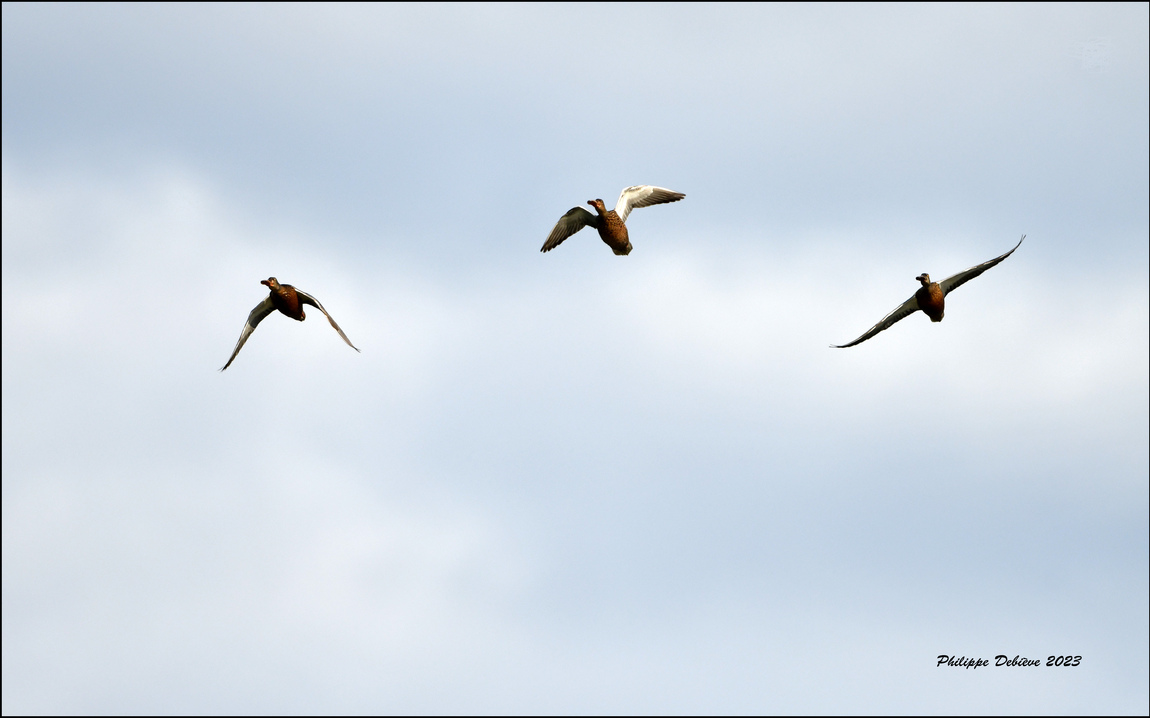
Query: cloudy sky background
x=574, y=481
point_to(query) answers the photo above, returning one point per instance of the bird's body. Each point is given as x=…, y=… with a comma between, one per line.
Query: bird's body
x=610, y=224
x=285, y=299
x=612, y=230
x=288, y=301
x=930, y=297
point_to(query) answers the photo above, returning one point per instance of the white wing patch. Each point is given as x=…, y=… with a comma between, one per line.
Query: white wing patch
x=643, y=196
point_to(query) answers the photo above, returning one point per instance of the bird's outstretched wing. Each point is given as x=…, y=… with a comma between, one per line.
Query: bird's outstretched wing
x=950, y=284
x=576, y=219
x=643, y=196
x=905, y=309
x=309, y=299
x=257, y=315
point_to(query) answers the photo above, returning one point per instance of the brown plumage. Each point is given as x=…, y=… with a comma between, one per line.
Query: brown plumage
x=930, y=297
x=611, y=224
x=287, y=300
x=612, y=230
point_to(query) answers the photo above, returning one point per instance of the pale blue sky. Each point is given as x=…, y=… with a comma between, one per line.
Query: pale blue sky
x=574, y=482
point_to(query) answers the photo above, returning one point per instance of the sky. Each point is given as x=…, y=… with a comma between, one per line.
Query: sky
x=574, y=482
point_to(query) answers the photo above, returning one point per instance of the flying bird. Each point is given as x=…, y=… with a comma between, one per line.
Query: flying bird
x=612, y=229
x=930, y=298
x=289, y=301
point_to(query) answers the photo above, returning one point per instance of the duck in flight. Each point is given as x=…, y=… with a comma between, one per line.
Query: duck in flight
x=612, y=229
x=289, y=301
x=930, y=298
